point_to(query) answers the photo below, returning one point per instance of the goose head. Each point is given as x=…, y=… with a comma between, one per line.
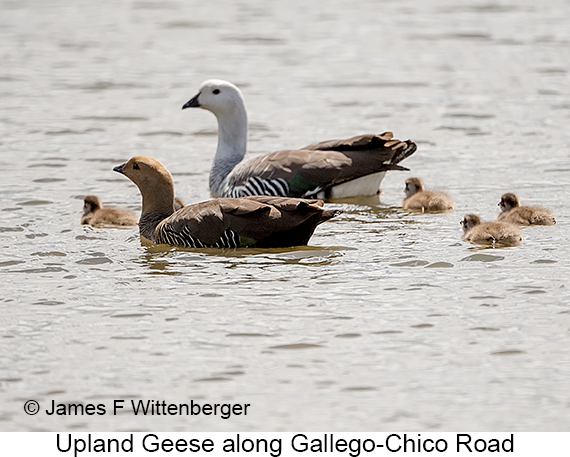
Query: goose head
x=153, y=180
x=470, y=221
x=413, y=185
x=509, y=201
x=217, y=96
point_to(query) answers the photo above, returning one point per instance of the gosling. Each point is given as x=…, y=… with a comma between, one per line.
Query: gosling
x=513, y=212
x=96, y=215
x=419, y=199
x=478, y=232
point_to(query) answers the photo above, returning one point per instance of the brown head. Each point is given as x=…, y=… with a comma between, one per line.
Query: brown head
x=470, y=221
x=509, y=201
x=91, y=203
x=154, y=182
x=413, y=185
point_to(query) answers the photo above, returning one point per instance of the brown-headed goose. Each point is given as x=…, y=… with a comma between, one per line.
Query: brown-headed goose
x=222, y=223
x=417, y=198
x=489, y=232
x=513, y=212
x=95, y=214
x=330, y=169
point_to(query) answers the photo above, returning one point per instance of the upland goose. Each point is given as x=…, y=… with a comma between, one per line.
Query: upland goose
x=489, y=232
x=329, y=169
x=221, y=223
x=513, y=212
x=417, y=198
x=95, y=214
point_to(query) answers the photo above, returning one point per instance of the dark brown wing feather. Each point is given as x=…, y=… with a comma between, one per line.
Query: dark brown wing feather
x=389, y=148
x=328, y=163
x=271, y=221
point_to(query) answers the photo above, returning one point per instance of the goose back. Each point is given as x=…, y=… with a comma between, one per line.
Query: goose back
x=316, y=169
x=238, y=222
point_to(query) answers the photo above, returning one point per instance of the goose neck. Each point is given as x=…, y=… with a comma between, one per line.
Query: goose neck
x=232, y=135
x=232, y=145
x=155, y=208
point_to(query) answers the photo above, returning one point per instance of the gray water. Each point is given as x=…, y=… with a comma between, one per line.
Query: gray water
x=388, y=320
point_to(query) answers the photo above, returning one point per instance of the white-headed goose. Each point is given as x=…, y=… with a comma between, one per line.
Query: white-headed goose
x=95, y=214
x=489, y=232
x=222, y=223
x=417, y=198
x=330, y=169
x=513, y=212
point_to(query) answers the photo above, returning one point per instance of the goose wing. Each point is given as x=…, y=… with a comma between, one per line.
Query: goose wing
x=320, y=166
x=262, y=221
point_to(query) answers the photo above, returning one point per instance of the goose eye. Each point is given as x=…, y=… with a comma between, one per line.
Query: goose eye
x=136, y=166
x=216, y=91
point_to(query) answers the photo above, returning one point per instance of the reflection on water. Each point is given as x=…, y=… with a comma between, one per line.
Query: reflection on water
x=387, y=317
x=483, y=258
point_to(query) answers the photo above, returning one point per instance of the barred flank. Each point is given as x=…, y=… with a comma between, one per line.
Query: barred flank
x=166, y=235
x=258, y=186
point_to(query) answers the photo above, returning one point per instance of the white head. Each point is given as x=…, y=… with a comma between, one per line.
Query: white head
x=226, y=102
x=218, y=96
